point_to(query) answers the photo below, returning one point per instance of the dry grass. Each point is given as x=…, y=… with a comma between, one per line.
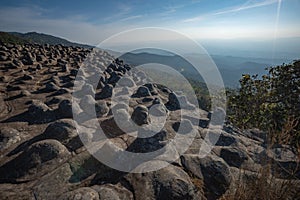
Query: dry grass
x=199, y=185
x=262, y=186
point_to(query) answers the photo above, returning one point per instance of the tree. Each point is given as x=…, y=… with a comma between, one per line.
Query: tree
x=270, y=103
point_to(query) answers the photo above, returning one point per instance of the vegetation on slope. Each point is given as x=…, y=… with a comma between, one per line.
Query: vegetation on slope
x=42, y=38
x=39, y=38
x=270, y=103
x=12, y=39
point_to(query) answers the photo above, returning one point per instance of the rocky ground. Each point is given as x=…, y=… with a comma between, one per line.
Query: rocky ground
x=42, y=156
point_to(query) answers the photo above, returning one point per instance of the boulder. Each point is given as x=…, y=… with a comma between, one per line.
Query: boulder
x=233, y=156
x=173, y=103
x=51, y=87
x=87, y=104
x=62, y=130
x=214, y=171
x=3, y=56
x=65, y=109
x=84, y=193
x=114, y=78
x=168, y=183
x=101, y=108
x=39, y=112
x=39, y=158
x=8, y=137
x=142, y=92
x=106, y=92
x=151, y=88
x=126, y=82
x=140, y=115
x=112, y=192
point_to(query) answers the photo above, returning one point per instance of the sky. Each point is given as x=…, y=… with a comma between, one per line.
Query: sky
x=91, y=22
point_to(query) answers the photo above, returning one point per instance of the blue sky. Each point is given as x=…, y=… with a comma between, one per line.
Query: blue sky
x=92, y=21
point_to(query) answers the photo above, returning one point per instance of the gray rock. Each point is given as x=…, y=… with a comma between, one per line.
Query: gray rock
x=203, y=122
x=184, y=104
x=73, y=72
x=101, y=108
x=27, y=77
x=40, y=158
x=140, y=115
x=64, y=109
x=112, y=192
x=149, y=144
x=87, y=104
x=28, y=59
x=65, y=68
x=8, y=137
x=62, y=130
x=158, y=110
x=84, y=193
x=87, y=89
x=126, y=82
x=168, y=183
x=114, y=78
x=151, y=88
x=183, y=127
x=25, y=93
x=39, y=66
x=217, y=117
x=51, y=87
x=233, y=156
x=106, y=92
x=40, y=58
x=142, y=92
x=173, y=103
x=214, y=171
x=223, y=138
x=226, y=140
x=39, y=112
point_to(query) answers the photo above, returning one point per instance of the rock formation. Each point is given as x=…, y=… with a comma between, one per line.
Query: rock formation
x=42, y=155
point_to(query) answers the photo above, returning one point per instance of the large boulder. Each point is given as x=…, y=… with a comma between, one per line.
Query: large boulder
x=40, y=158
x=66, y=109
x=106, y=92
x=140, y=115
x=213, y=170
x=173, y=103
x=39, y=112
x=112, y=192
x=84, y=193
x=142, y=92
x=62, y=130
x=233, y=156
x=168, y=183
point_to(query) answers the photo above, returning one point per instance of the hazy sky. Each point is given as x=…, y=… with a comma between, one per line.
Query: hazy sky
x=90, y=22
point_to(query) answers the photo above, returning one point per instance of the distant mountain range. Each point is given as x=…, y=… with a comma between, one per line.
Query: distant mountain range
x=34, y=37
x=230, y=67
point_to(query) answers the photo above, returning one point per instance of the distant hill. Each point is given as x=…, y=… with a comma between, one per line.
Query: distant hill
x=9, y=38
x=174, y=61
x=231, y=68
x=39, y=38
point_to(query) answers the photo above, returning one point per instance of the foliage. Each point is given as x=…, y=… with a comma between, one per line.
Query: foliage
x=8, y=38
x=38, y=38
x=270, y=103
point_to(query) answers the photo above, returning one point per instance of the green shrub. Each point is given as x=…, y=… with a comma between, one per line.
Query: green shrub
x=270, y=103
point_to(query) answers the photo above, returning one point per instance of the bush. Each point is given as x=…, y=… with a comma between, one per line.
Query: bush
x=270, y=103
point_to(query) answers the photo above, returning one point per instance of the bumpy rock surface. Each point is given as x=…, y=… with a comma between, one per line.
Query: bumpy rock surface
x=42, y=152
